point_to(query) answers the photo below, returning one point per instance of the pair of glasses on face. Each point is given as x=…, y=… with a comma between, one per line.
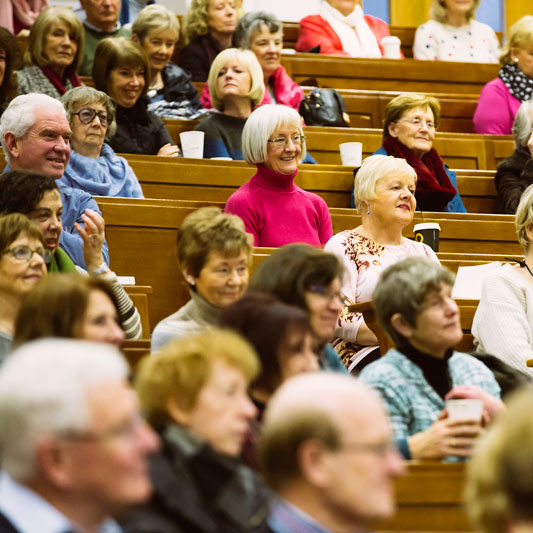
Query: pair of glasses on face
x=25, y=253
x=87, y=115
x=278, y=142
x=418, y=122
x=326, y=293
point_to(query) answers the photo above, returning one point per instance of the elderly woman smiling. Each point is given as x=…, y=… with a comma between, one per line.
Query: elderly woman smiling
x=410, y=124
x=385, y=194
x=94, y=166
x=274, y=210
x=54, y=52
x=515, y=173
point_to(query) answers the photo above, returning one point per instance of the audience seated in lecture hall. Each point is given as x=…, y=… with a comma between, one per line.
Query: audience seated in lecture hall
x=453, y=34
x=208, y=27
x=500, y=98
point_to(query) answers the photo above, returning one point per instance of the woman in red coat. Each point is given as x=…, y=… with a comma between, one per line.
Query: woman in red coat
x=341, y=28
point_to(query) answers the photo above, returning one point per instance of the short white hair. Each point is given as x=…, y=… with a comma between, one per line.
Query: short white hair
x=261, y=124
x=374, y=168
x=522, y=124
x=43, y=392
x=19, y=116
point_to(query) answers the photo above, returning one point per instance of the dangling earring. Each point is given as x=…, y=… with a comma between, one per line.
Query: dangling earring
x=368, y=209
x=515, y=59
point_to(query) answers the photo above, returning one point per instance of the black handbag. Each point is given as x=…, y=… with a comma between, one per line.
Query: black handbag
x=324, y=107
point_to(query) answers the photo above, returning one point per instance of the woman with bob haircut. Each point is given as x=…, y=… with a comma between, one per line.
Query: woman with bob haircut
x=170, y=90
x=503, y=323
x=93, y=165
x=10, y=62
x=308, y=278
x=384, y=191
x=410, y=123
x=414, y=306
x=213, y=255
x=515, y=173
x=274, y=210
x=194, y=394
x=500, y=98
x=54, y=52
x=121, y=70
x=453, y=34
x=70, y=306
x=499, y=476
x=262, y=33
x=37, y=196
x=208, y=26
x=236, y=87
x=23, y=259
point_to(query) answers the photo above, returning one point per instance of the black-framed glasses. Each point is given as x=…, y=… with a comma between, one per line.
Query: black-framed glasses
x=278, y=142
x=87, y=115
x=25, y=253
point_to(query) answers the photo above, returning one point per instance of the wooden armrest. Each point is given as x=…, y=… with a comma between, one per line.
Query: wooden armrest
x=369, y=317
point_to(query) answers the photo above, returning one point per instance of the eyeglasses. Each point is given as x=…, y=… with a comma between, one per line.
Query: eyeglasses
x=418, y=122
x=87, y=115
x=325, y=293
x=25, y=253
x=380, y=449
x=278, y=142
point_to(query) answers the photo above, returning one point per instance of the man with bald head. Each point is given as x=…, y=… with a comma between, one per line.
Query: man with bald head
x=327, y=452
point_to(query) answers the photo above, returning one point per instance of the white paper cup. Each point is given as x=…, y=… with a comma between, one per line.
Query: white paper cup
x=192, y=144
x=351, y=154
x=221, y=158
x=465, y=409
x=391, y=47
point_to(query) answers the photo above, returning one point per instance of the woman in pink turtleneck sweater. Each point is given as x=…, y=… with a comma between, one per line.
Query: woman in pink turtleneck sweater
x=274, y=210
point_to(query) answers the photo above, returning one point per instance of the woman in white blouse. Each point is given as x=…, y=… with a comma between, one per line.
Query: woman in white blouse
x=452, y=34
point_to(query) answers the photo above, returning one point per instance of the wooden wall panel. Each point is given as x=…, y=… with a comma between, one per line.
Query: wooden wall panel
x=410, y=13
x=515, y=9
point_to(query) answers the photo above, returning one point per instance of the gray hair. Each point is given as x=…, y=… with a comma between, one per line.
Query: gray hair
x=43, y=393
x=417, y=277
x=522, y=124
x=524, y=217
x=19, y=116
x=78, y=97
x=261, y=124
x=252, y=22
x=374, y=168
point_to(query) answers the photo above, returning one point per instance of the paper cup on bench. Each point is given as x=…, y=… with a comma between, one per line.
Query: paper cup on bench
x=192, y=144
x=351, y=154
x=391, y=47
x=428, y=233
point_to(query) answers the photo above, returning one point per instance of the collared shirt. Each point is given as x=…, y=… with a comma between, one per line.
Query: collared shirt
x=287, y=518
x=16, y=500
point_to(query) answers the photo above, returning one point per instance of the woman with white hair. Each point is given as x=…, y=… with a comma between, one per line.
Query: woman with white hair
x=384, y=191
x=274, y=210
x=515, y=173
x=453, y=34
x=236, y=87
x=503, y=323
x=341, y=28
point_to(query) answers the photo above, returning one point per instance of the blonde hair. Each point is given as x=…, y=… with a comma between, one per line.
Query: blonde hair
x=155, y=17
x=34, y=54
x=524, y=217
x=373, y=169
x=181, y=369
x=520, y=35
x=195, y=21
x=438, y=11
x=499, y=481
x=405, y=102
x=249, y=60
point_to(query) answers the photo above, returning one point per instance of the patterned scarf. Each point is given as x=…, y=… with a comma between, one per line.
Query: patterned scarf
x=519, y=85
x=57, y=82
x=434, y=190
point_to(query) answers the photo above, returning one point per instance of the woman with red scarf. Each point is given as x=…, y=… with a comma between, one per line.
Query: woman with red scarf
x=54, y=50
x=410, y=124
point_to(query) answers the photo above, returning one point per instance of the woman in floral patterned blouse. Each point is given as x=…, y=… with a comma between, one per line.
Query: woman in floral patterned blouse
x=384, y=192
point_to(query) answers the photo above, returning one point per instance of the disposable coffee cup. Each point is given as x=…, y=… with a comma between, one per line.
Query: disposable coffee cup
x=464, y=409
x=391, y=47
x=351, y=154
x=428, y=233
x=192, y=144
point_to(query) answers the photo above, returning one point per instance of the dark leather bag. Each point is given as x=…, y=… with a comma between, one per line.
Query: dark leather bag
x=324, y=107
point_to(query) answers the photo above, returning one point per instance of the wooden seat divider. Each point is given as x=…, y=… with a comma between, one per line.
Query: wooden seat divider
x=139, y=297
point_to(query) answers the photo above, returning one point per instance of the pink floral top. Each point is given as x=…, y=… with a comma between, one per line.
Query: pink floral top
x=364, y=260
